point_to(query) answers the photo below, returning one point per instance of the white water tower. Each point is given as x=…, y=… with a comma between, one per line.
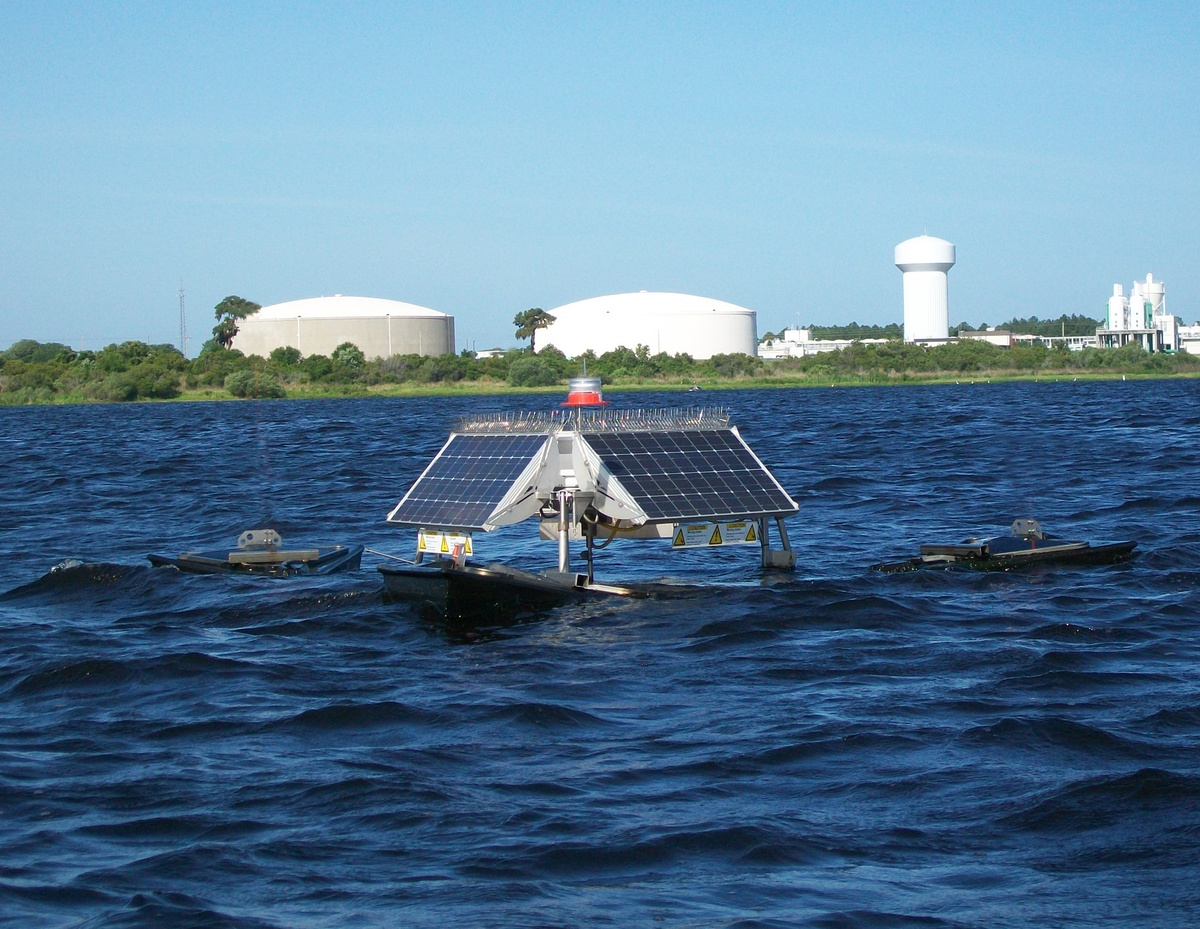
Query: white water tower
x=925, y=261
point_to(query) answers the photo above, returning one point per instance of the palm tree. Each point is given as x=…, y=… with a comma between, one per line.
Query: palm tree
x=228, y=312
x=529, y=322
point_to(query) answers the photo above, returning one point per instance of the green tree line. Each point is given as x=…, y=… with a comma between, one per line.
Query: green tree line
x=1063, y=325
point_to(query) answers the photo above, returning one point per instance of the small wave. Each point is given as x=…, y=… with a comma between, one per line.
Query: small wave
x=751, y=844
x=106, y=672
x=854, y=484
x=876, y=919
x=1039, y=733
x=171, y=827
x=174, y=909
x=74, y=575
x=547, y=716
x=1177, y=717
x=340, y=716
x=1098, y=802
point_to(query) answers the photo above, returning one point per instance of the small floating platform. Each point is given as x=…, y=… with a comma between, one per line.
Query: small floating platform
x=261, y=552
x=1025, y=545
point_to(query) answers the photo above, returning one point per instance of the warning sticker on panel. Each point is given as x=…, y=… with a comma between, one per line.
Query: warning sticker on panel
x=436, y=542
x=703, y=535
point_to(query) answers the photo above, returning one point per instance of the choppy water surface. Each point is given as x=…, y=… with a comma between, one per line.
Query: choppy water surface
x=837, y=748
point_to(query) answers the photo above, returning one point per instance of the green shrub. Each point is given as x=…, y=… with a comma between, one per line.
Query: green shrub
x=285, y=356
x=254, y=384
x=349, y=355
x=532, y=371
x=317, y=367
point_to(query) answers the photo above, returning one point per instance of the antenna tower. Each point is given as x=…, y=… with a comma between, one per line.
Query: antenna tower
x=183, y=339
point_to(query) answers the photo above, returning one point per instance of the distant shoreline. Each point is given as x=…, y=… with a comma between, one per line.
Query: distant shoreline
x=491, y=389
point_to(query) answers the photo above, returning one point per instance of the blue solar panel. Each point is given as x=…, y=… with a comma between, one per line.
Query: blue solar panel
x=467, y=480
x=690, y=474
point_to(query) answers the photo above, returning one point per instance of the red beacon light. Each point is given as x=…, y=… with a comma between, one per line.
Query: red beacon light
x=584, y=391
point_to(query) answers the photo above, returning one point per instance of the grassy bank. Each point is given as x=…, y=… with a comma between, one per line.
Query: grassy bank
x=491, y=388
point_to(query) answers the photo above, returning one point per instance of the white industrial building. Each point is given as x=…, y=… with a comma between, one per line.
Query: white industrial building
x=796, y=343
x=1142, y=317
x=671, y=323
x=318, y=325
x=924, y=262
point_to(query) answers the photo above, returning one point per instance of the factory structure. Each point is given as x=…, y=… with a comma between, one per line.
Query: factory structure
x=318, y=325
x=701, y=327
x=796, y=343
x=1142, y=317
x=663, y=322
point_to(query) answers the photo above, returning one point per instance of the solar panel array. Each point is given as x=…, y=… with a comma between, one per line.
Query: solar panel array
x=467, y=480
x=690, y=474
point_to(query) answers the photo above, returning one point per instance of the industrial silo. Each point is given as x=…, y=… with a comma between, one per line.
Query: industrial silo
x=1118, y=309
x=925, y=261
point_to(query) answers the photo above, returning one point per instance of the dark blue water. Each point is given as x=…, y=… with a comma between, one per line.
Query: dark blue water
x=837, y=748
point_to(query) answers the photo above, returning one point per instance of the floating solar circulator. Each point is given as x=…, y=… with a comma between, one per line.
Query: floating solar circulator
x=591, y=474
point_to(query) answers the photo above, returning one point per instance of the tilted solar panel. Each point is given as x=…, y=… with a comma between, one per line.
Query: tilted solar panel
x=690, y=474
x=467, y=480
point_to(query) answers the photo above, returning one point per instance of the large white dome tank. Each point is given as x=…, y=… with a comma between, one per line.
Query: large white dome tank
x=663, y=322
x=925, y=261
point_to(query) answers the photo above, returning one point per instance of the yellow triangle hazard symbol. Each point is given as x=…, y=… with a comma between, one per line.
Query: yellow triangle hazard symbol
x=445, y=544
x=420, y=540
x=716, y=536
x=678, y=543
x=469, y=552
x=750, y=536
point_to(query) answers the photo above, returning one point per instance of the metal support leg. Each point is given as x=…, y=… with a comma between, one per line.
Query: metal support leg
x=783, y=560
x=783, y=536
x=590, y=535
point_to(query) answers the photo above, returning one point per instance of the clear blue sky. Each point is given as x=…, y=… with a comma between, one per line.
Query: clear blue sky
x=481, y=159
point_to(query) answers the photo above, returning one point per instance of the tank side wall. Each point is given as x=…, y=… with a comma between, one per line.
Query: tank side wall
x=322, y=336
x=421, y=336
x=926, y=307
x=263, y=336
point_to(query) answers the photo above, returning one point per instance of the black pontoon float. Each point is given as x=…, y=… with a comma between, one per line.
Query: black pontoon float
x=1025, y=545
x=587, y=474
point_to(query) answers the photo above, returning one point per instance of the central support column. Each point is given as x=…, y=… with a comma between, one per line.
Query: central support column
x=565, y=499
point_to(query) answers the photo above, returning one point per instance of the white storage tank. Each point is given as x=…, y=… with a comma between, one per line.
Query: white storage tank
x=318, y=325
x=1154, y=293
x=1137, y=307
x=663, y=322
x=925, y=261
x=1117, y=307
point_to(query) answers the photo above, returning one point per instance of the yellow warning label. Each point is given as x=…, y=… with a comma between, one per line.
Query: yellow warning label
x=704, y=535
x=436, y=542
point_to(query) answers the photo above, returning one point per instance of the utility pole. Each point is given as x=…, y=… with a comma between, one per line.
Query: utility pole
x=183, y=347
